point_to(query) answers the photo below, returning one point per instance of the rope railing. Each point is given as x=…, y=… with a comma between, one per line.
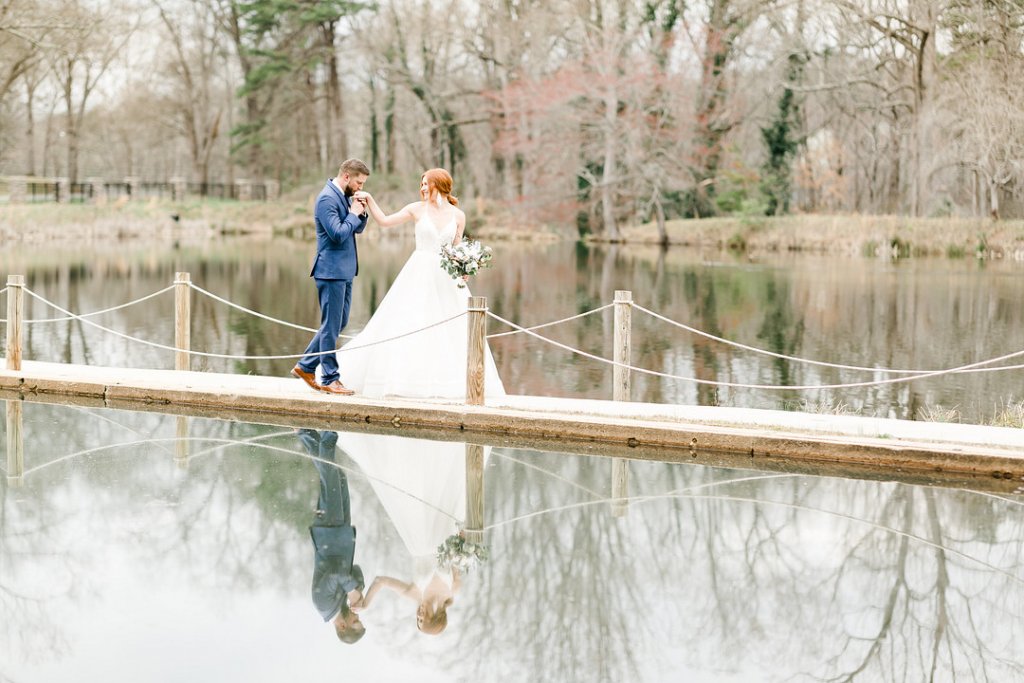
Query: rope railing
x=552, y=323
x=979, y=366
x=743, y=385
x=94, y=313
x=773, y=354
x=105, y=310
x=967, y=369
x=207, y=354
x=239, y=307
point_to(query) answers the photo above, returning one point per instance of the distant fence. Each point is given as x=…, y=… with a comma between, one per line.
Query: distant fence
x=32, y=189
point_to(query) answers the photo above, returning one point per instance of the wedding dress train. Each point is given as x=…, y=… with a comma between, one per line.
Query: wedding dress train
x=423, y=364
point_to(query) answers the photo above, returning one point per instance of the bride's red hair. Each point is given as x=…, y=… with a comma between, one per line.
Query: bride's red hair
x=440, y=181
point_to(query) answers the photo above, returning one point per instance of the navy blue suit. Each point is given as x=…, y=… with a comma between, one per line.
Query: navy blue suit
x=336, y=263
x=334, y=537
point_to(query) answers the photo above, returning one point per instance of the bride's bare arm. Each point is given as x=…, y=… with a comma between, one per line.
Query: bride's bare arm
x=384, y=220
x=460, y=226
x=400, y=587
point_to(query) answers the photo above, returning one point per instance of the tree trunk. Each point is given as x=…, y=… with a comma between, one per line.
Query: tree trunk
x=337, y=140
x=30, y=131
x=994, y=199
x=659, y=216
x=389, y=130
x=710, y=128
x=608, y=180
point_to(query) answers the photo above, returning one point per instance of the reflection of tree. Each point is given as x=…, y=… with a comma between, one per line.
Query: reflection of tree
x=810, y=578
x=29, y=612
x=567, y=580
x=837, y=579
x=929, y=603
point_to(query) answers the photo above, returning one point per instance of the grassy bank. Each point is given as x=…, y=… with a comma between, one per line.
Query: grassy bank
x=854, y=235
x=161, y=219
x=292, y=215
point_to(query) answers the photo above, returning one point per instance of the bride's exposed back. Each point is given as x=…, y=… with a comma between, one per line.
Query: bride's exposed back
x=414, y=345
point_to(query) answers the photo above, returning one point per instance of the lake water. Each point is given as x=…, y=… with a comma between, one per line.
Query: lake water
x=148, y=547
x=924, y=314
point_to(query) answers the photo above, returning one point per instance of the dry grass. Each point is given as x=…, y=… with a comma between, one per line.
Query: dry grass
x=1010, y=414
x=895, y=236
x=938, y=413
x=827, y=407
x=291, y=215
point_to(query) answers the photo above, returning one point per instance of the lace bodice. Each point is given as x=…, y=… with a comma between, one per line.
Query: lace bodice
x=430, y=238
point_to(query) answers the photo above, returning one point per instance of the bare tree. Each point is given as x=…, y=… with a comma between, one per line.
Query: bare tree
x=194, y=69
x=84, y=48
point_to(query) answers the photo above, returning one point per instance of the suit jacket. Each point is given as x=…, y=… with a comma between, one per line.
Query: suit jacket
x=336, y=230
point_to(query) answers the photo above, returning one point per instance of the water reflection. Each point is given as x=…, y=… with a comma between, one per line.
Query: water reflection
x=599, y=570
x=337, y=580
x=422, y=487
x=921, y=314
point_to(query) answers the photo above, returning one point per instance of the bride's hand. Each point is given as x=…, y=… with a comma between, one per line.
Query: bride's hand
x=362, y=195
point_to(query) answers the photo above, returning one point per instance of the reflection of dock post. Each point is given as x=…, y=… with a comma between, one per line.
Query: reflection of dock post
x=621, y=391
x=15, y=307
x=15, y=442
x=477, y=331
x=620, y=486
x=181, y=444
x=474, y=530
x=182, y=320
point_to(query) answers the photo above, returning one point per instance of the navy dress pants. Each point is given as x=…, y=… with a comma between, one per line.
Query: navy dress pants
x=335, y=299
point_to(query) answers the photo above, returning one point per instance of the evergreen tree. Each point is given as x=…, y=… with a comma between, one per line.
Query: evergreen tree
x=782, y=140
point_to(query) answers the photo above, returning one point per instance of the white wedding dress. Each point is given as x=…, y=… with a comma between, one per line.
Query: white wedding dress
x=427, y=364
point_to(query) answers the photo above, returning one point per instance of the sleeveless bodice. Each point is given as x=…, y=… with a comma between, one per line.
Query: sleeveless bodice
x=430, y=238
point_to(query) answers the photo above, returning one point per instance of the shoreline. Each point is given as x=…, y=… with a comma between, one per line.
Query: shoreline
x=833, y=234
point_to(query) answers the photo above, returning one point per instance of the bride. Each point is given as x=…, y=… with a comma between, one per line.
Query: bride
x=431, y=362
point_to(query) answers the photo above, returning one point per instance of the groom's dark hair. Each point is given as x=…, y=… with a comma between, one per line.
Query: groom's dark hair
x=353, y=167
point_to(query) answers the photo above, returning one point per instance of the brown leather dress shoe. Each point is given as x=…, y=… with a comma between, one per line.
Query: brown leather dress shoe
x=336, y=387
x=307, y=377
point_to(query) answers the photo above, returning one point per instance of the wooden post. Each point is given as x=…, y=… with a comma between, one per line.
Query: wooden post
x=477, y=331
x=15, y=442
x=474, y=530
x=620, y=486
x=182, y=321
x=621, y=353
x=621, y=392
x=15, y=308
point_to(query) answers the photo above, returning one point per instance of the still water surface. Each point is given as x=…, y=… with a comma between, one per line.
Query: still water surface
x=141, y=546
x=913, y=314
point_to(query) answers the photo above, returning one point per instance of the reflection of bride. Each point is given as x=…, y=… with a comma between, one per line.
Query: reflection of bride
x=422, y=486
x=431, y=362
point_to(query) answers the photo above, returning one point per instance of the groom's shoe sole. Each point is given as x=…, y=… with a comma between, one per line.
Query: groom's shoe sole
x=307, y=377
x=336, y=387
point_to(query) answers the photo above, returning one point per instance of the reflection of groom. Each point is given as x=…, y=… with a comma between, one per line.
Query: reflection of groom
x=337, y=582
x=339, y=218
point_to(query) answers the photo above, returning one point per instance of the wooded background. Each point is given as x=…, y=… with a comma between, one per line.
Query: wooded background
x=587, y=112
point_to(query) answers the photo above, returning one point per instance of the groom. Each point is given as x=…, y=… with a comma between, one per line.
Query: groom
x=339, y=218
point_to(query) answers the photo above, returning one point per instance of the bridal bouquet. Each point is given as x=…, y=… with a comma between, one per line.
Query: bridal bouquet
x=458, y=553
x=465, y=258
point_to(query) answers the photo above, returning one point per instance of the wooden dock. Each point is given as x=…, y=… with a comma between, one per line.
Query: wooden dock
x=989, y=457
